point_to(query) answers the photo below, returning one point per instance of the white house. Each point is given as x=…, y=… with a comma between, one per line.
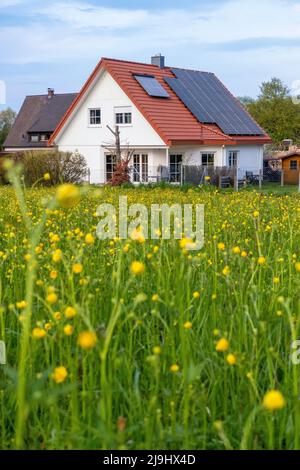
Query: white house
x=167, y=115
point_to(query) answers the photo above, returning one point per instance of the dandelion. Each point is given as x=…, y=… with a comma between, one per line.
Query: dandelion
x=68, y=330
x=87, y=340
x=67, y=195
x=261, y=260
x=89, y=239
x=60, y=374
x=77, y=268
x=273, y=400
x=231, y=359
x=221, y=246
x=187, y=325
x=53, y=275
x=222, y=345
x=244, y=254
x=57, y=316
x=137, y=268
x=70, y=312
x=174, y=368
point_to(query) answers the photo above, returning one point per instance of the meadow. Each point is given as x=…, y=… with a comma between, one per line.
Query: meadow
x=140, y=344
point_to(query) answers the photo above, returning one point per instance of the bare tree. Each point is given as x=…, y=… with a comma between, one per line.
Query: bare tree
x=123, y=156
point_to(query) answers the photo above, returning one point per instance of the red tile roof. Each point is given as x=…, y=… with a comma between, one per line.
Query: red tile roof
x=169, y=117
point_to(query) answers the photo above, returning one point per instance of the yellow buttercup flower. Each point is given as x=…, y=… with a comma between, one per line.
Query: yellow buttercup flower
x=77, y=268
x=87, y=339
x=52, y=298
x=21, y=305
x=67, y=195
x=137, y=268
x=56, y=256
x=53, y=274
x=89, y=239
x=273, y=400
x=222, y=345
x=157, y=350
x=187, y=325
x=174, y=368
x=256, y=214
x=196, y=295
x=47, y=176
x=60, y=374
x=221, y=246
x=68, y=330
x=70, y=312
x=231, y=359
x=261, y=260
x=236, y=250
x=155, y=298
x=297, y=266
x=38, y=333
x=226, y=271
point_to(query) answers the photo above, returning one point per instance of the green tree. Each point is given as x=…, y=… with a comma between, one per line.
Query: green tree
x=276, y=113
x=7, y=118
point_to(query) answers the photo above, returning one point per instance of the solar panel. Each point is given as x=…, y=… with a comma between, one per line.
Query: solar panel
x=152, y=86
x=211, y=103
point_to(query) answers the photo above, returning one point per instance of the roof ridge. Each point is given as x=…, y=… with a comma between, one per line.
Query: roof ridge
x=55, y=94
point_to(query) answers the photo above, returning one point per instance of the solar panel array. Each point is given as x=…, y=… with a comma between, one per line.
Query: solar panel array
x=152, y=86
x=211, y=103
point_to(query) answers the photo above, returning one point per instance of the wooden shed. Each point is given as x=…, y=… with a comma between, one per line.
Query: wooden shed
x=291, y=167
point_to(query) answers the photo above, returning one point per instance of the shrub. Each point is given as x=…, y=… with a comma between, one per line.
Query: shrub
x=63, y=167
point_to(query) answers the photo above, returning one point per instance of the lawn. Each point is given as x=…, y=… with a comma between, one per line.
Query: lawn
x=177, y=354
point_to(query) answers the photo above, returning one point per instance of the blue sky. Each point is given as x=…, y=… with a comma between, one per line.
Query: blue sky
x=57, y=44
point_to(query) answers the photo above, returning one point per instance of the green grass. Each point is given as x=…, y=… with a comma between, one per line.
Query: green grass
x=122, y=393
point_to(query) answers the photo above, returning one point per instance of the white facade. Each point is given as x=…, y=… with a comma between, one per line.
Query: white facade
x=90, y=140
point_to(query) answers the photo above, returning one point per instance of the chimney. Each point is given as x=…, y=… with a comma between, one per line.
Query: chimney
x=158, y=60
x=50, y=93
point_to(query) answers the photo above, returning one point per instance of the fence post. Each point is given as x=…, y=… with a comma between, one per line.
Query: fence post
x=282, y=178
x=260, y=178
x=299, y=183
x=181, y=174
x=236, y=180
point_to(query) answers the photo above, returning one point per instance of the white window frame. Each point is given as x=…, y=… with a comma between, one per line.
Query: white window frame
x=89, y=116
x=229, y=152
x=208, y=164
x=123, y=110
x=34, y=138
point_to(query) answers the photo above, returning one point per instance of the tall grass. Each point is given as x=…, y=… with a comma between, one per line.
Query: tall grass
x=123, y=392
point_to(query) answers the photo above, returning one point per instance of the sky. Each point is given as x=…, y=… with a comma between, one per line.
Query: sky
x=57, y=43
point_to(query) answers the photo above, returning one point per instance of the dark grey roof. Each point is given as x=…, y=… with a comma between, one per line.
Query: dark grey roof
x=38, y=114
x=211, y=103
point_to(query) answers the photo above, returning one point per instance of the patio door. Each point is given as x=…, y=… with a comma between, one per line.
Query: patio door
x=140, y=168
x=175, y=168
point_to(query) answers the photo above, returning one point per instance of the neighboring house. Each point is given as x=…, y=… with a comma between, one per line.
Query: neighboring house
x=167, y=115
x=36, y=121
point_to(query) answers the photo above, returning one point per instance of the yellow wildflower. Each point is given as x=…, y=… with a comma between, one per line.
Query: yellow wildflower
x=222, y=345
x=67, y=195
x=60, y=374
x=273, y=400
x=137, y=268
x=87, y=339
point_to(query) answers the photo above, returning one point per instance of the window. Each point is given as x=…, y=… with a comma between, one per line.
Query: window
x=208, y=159
x=34, y=138
x=95, y=117
x=110, y=166
x=233, y=158
x=140, y=168
x=293, y=165
x=44, y=137
x=175, y=168
x=123, y=116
